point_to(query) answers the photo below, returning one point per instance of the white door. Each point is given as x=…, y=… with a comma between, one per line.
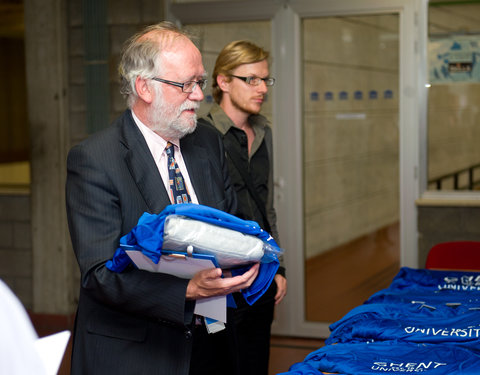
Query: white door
x=346, y=114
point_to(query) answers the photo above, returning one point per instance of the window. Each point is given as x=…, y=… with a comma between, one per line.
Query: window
x=454, y=96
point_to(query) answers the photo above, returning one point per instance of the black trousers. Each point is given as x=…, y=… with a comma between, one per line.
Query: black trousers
x=215, y=354
x=252, y=332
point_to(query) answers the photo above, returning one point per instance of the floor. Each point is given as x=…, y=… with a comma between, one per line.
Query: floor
x=344, y=277
x=285, y=351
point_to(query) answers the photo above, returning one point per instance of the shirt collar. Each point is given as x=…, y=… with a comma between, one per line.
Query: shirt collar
x=223, y=123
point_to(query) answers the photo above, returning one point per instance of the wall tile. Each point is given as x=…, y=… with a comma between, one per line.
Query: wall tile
x=16, y=263
x=6, y=234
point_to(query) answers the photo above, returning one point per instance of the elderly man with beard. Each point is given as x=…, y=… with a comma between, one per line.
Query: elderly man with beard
x=138, y=322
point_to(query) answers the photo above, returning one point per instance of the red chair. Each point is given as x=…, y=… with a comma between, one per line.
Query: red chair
x=456, y=255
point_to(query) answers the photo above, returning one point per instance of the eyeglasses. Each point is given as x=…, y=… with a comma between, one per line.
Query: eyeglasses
x=187, y=87
x=255, y=81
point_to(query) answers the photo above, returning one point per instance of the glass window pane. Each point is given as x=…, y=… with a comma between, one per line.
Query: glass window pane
x=351, y=160
x=454, y=96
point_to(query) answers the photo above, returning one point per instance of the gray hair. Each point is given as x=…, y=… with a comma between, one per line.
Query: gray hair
x=141, y=56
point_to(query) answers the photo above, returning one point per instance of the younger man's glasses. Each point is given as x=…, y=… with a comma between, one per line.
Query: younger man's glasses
x=255, y=81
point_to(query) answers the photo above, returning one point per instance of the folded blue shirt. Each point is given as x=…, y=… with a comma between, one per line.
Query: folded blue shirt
x=389, y=357
x=147, y=237
x=426, y=321
x=302, y=368
x=427, y=296
x=421, y=279
x=409, y=322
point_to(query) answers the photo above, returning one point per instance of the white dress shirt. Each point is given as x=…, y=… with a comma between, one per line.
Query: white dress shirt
x=157, y=146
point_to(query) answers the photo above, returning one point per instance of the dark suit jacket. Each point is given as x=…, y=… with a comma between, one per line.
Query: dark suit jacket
x=135, y=322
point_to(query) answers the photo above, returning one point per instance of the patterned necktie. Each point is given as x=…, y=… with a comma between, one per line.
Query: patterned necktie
x=178, y=190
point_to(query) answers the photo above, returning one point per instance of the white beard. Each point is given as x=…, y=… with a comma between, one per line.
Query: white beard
x=166, y=119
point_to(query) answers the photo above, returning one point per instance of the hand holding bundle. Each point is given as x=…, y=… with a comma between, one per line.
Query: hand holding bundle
x=196, y=229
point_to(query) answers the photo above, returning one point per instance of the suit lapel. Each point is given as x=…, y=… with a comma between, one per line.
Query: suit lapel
x=142, y=166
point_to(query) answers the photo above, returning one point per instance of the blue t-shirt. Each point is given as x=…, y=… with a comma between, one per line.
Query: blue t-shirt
x=302, y=368
x=408, y=322
x=427, y=296
x=389, y=357
x=423, y=279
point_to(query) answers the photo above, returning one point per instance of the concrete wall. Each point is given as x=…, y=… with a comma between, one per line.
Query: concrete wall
x=124, y=18
x=446, y=222
x=16, y=245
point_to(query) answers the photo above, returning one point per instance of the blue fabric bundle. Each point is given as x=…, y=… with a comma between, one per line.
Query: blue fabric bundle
x=389, y=357
x=147, y=237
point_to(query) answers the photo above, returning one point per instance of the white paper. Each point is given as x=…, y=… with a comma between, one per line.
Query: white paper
x=51, y=350
x=185, y=267
x=18, y=355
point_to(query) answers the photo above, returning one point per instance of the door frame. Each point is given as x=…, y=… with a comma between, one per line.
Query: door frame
x=285, y=17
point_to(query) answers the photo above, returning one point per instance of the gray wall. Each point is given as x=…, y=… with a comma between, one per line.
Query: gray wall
x=16, y=245
x=443, y=223
x=123, y=19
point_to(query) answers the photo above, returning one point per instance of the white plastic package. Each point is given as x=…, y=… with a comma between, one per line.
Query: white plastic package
x=230, y=248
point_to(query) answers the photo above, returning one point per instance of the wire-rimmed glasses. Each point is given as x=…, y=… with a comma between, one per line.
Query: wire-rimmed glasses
x=186, y=87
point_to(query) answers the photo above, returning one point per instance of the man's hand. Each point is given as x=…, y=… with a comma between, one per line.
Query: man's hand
x=209, y=283
x=281, y=288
